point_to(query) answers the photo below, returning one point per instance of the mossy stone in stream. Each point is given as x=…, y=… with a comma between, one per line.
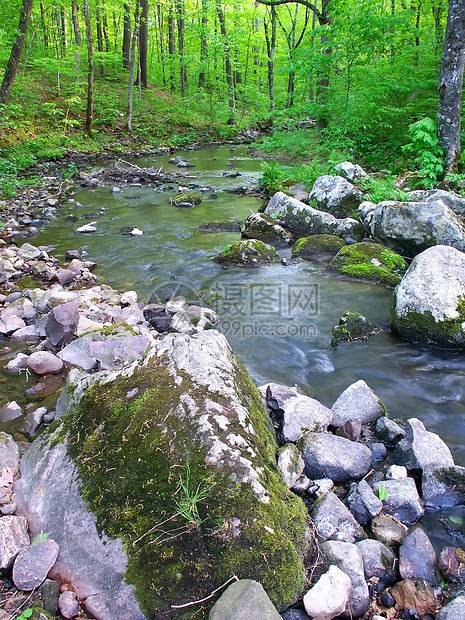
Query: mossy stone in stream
x=353, y=326
x=317, y=247
x=187, y=199
x=371, y=262
x=248, y=253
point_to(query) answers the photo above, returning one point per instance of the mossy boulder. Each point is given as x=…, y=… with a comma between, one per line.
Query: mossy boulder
x=248, y=253
x=353, y=326
x=158, y=495
x=187, y=200
x=371, y=262
x=265, y=228
x=317, y=247
x=428, y=306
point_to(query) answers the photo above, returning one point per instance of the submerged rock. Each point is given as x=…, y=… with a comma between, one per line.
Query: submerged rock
x=336, y=195
x=318, y=247
x=428, y=305
x=197, y=422
x=262, y=227
x=370, y=262
x=353, y=326
x=214, y=227
x=250, y=253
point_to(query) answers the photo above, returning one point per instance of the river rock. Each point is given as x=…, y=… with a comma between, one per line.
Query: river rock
x=9, y=453
x=293, y=614
x=10, y=324
x=302, y=414
x=333, y=521
x=114, y=352
x=417, y=558
x=352, y=172
x=336, y=195
x=340, y=459
x=18, y=363
x=348, y=558
x=452, y=563
x=402, y=500
x=62, y=324
x=353, y=326
x=194, y=319
x=243, y=600
x=303, y=220
x=25, y=335
x=369, y=262
x=453, y=610
x=44, y=363
x=363, y=503
x=87, y=228
x=452, y=200
x=421, y=450
x=388, y=530
x=248, y=253
x=262, y=227
x=276, y=395
x=68, y=604
x=214, y=227
x=428, y=304
x=357, y=402
x=415, y=594
x=388, y=431
x=411, y=227
x=28, y=251
x=329, y=596
x=197, y=415
x=378, y=561
x=10, y=411
x=443, y=487
x=42, y=271
x=33, y=564
x=76, y=353
x=13, y=538
x=290, y=464
x=318, y=247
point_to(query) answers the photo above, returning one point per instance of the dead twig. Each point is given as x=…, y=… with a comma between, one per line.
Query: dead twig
x=202, y=600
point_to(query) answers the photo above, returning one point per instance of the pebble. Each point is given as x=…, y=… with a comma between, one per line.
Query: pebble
x=68, y=604
x=33, y=563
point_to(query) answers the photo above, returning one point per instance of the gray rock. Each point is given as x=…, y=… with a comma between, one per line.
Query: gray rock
x=396, y=472
x=411, y=227
x=25, y=335
x=290, y=464
x=336, y=195
x=13, y=538
x=455, y=610
x=49, y=593
x=298, y=191
x=378, y=561
x=347, y=557
x=302, y=414
x=18, y=363
x=388, y=431
x=388, y=530
x=41, y=270
x=263, y=227
x=303, y=220
x=65, y=276
x=333, y=521
x=329, y=596
x=421, y=450
x=9, y=453
x=44, y=363
x=33, y=564
x=417, y=558
x=363, y=503
x=11, y=324
x=402, y=500
x=352, y=172
x=322, y=487
x=62, y=324
x=335, y=457
x=248, y=253
x=68, y=604
x=113, y=353
x=28, y=251
x=33, y=421
x=244, y=600
x=301, y=485
x=427, y=305
x=10, y=411
x=275, y=395
x=357, y=402
x=76, y=353
x=443, y=487
x=453, y=201
x=8, y=509
x=293, y=614
x=193, y=320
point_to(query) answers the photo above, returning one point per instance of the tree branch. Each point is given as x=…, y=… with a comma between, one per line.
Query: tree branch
x=309, y=5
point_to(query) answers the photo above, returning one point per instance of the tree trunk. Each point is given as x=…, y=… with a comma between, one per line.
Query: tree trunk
x=143, y=42
x=271, y=48
x=132, y=64
x=203, y=45
x=162, y=42
x=15, y=55
x=171, y=43
x=64, y=31
x=98, y=19
x=44, y=24
x=228, y=65
x=105, y=30
x=76, y=27
x=451, y=85
x=181, y=26
x=126, y=36
x=90, y=70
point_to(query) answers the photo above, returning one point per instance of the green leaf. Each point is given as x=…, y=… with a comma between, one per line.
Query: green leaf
x=456, y=520
x=382, y=493
x=41, y=536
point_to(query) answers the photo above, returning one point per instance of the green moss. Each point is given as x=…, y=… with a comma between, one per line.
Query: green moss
x=370, y=261
x=353, y=326
x=28, y=282
x=251, y=252
x=323, y=247
x=131, y=456
x=186, y=198
x=118, y=329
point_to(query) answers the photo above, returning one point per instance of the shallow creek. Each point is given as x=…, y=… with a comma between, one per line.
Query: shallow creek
x=277, y=318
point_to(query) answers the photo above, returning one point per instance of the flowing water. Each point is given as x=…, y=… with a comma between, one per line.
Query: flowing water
x=278, y=318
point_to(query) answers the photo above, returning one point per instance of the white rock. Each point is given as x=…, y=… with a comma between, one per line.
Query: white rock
x=290, y=464
x=44, y=363
x=396, y=472
x=129, y=298
x=328, y=597
x=87, y=228
x=136, y=232
x=18, y=363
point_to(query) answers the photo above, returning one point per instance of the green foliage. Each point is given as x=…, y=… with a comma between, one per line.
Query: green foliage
x=273, y=176
x=379, y=189
x=41, y=536
x=188, y=497
x=382, y=493
x=425, y=151
x=27, y=613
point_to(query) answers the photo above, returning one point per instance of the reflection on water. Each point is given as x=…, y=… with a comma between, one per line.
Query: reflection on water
x=277, y=318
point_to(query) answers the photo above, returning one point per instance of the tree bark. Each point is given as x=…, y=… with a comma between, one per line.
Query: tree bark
x=76, y=27
x=90, y=70
x=180, y=18
x=171, y=44
x=451, y=85
x=132, y=64
x=126, y=35
x=15, y=55
x=64, y=31
x=227, y=64
x=161, y=31
x=203, y=45
x=143, y=42
x=44, y=24
x=271, y=48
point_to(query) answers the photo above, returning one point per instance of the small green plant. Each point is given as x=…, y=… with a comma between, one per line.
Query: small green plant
x=425, y=150
x=188, y=496
x=27, y=613
x=41, y=536
x=273, y=176
x=379, y=189
x=382, y=493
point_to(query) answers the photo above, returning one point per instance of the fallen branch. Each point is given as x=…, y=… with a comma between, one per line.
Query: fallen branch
x=202, y=600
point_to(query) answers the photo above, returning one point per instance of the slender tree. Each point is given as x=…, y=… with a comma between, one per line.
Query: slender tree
x=171, y=43
x=271, y=49
x=126, y=35
x=76, y=27
x=181, y=22
x=203, y=44
x=90, y=69
x=15, y=55
x=132, y=65
x=143, y=41
x=227, y=64
x=451, y=85
x=44, y=24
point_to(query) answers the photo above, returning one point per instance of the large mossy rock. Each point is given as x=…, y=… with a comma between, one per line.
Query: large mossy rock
x=336, y=195
x=115, y=482
x=317, y=247
x=411, y=227
x=248, y=253
x=428, y=306
x=303, y=220
x=371, y=262
x=262, y=227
